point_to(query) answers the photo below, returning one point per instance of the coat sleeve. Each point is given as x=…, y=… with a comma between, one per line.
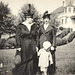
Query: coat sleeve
x=37, y=39
x=18, y=38
x=54, y=36
x=37, y=36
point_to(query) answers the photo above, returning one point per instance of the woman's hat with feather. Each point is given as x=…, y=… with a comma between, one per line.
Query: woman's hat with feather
x=46, y=15
x=29, y=13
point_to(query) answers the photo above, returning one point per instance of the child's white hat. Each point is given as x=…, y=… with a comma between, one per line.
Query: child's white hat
x=46, y=44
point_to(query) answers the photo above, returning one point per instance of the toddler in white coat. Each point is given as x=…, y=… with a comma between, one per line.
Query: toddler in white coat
x=45, y=56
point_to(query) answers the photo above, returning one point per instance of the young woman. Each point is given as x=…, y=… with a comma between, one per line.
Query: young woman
x=47, y=32
x=26, y=37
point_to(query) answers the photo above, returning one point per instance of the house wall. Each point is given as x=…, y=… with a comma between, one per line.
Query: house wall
x=67, y=22
x=69, y=9
x=67, y=18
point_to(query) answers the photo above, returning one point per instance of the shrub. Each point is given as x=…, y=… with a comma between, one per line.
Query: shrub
x=68, y=38
x=10, y=42
x=71, y=37
x=63, y=33
x=2, y=42
x=64, y=41
x=60, y=41
x=61, y=28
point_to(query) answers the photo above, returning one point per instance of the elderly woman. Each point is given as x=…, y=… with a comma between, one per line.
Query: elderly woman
x=47, y=31
x=26, y=37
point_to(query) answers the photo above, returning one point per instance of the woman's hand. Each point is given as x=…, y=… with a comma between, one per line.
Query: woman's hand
x=19, y=49
x=37, y=49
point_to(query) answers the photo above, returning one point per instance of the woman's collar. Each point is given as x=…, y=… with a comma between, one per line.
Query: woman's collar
x=25, y=23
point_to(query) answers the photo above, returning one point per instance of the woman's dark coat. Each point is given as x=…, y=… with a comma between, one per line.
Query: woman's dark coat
x=27, y=40
x=47, y=35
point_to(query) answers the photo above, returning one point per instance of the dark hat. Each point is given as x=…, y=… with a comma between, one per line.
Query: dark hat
x=28, y=13
x=46, y=15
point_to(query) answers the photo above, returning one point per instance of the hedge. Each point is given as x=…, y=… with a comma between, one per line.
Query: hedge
x=68, y=38
x=71, y=37
x=2, y=42
x=58, y=41
x=61, y=28
x=63, y=33
x=62, y=39
x=10, y=43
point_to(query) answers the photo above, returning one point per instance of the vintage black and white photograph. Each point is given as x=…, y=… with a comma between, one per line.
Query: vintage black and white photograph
x=37, y=37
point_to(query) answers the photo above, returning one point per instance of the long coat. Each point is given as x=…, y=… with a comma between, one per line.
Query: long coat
x=27, y=40
x=47, y=35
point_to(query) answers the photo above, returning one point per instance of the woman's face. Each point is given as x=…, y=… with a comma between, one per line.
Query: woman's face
x=46, y=20
x=30, y=20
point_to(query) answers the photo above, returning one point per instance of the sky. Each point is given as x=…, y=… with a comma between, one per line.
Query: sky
x=41, y=5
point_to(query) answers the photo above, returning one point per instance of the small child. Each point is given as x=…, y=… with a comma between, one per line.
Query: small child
x=44, y=57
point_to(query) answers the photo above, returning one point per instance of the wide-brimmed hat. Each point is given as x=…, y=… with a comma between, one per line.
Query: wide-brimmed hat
x=29, y=13
x=46, y=15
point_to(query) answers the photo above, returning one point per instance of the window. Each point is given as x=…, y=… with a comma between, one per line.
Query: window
x=74, y=10
x=69, y=10
x=62, y=21
x=65, y=21
x=65, y=10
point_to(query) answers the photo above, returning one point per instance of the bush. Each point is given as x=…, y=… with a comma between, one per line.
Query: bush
x=64, y=41
x=2, y=42
x=63, y=33
x=61, y=28
x=60, y=41
x=69, y=36
x=10, y=42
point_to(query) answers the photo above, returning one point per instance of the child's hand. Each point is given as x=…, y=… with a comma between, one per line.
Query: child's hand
x=52, y=48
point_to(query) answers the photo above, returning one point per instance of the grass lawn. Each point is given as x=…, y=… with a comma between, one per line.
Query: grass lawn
x=7, y=58
x=65, y=59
